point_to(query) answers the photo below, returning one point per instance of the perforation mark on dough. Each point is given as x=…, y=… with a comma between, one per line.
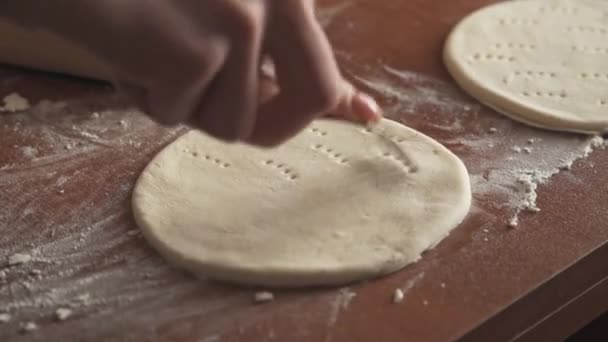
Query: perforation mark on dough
x=558, y=10
x=478, y=57
x=593, y=75
x=520, y=46
x=211, y=159
x=401, y=159
x=287, y=172
x=590, y=49
x=331, y=153
x=555, y=95
x=518, y=21
x=587, y=29
x=529, y=74
x=318, y=131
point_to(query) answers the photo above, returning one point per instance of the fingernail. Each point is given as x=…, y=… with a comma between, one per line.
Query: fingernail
x=366, y=107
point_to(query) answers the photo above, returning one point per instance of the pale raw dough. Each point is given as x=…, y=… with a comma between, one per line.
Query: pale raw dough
x=336, y=204
x=542, y=62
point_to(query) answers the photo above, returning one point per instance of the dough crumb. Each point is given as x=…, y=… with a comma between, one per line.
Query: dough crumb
x=19, y=258
x=35, y=272
x=528, y=150
x=442, y=285
x=425, y=302
x=398, y=296
x=533, y=209
x=29, y=326
x=531, y=141
x=14, y=103
x=513, y=222
x=5, y=318
x=492, y=130
x=62, y=314
x=123, y=123
x=516, y=149
x=95, y=115
x=263, y=296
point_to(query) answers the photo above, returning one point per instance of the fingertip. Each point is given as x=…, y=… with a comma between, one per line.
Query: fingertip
x=366, y=108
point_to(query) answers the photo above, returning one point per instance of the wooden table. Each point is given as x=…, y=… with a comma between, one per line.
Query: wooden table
x=67, y=170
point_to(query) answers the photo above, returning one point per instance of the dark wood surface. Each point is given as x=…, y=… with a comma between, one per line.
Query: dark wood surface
x=66, y=175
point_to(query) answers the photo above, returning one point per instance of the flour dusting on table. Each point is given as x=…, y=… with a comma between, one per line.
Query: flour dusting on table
x=71, y=256
x=519, y=158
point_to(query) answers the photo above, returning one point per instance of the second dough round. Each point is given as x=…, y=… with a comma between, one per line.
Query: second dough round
x=540, y=62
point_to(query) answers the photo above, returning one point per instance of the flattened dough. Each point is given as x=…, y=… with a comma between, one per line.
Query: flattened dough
x=542, y=62
x=336, y=204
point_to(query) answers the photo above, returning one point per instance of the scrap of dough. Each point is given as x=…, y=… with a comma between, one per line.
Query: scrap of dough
x=336, y=204
x=540, y=62
x=263, y=296
x=398, y=296
x=14, y=102
x=62, y=314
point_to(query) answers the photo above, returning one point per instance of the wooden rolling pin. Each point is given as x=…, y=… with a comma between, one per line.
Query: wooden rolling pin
x=41, y=50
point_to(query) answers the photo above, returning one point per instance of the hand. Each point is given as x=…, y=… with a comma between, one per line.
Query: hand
x=199, y=62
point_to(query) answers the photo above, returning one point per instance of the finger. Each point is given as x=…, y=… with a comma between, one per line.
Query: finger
x=228, y=109
x=356, y=106
x=307, y=74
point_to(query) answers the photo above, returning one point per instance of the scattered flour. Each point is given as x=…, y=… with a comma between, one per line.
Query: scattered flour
x=19, y=258
x=340, y=303
x=263, y=296
x=29, y=326
x=5, y=318
x=73, y=249
x=211, y=338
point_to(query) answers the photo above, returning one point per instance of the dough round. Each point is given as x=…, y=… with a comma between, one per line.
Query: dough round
x=544, y=63
x=336, y=204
